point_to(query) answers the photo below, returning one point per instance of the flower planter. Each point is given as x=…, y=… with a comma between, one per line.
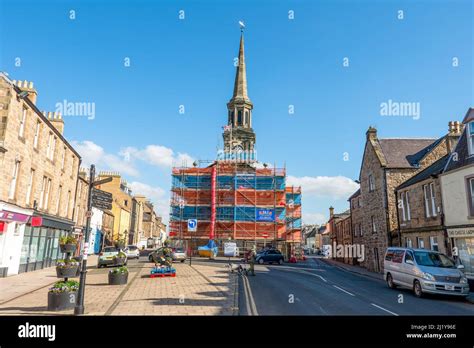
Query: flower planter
x=68, y=248
x=67, y=272
x=119, y=261
x=118, y=278
x=62, y=300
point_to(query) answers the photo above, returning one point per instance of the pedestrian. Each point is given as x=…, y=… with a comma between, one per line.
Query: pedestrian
x=251, y=258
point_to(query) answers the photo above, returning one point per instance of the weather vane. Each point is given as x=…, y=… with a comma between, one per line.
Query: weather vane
x=242, y=26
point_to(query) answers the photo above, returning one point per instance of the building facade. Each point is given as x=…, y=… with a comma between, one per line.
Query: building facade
x=38, y=178
x=386, y=164
x=457, y=187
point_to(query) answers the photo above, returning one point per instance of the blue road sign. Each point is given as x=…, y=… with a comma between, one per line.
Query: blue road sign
x=192, y=225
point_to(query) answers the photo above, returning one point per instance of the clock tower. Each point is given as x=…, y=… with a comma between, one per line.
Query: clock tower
x=239, y=135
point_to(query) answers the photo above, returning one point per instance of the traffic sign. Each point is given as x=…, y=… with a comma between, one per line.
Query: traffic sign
x=192, y=225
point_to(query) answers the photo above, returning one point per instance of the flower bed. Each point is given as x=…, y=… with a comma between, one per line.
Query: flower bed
x=63, y=295
x=118, y=276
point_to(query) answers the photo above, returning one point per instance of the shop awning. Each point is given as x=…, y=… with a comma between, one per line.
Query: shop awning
x=10, y=216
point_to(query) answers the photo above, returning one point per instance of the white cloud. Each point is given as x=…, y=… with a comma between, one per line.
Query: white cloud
x=158, y=196
x=314, y=218
x=92, y=153
x=158, y=155
x=335, y=187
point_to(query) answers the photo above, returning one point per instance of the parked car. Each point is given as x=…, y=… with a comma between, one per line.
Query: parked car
x=106, y=257
x=270, y=256
x=132, y=252
x=424, y=271
x=177, y=254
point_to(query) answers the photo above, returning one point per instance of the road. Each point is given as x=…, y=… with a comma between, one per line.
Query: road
x=318, y=288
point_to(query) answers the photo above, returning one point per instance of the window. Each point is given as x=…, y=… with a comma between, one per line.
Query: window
x=246, y=120
x=53, y=149
x=408, y=242
x=73, y=165
x=471, y=138
x=12, y=191
x=58, y=202
x=68, y=198
x=405, y=206
x=239, y=118
x=37, y=133
x=371, y=183
x=434, y=243
x=21, y=133
x=408, y=256
x=43, y=189
x=420, y=242
x=430, y=202
x=63, y=159
x=50, y=145
x=360, y=230
x=374, y=228
x=46, y=196
x=30, y=187
x=470, y=193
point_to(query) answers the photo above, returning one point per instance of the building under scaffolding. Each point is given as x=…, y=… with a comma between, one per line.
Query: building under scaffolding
x=235, y=201
x=234, y=197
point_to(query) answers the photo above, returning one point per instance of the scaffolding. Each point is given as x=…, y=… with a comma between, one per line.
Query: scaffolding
x=242, y=194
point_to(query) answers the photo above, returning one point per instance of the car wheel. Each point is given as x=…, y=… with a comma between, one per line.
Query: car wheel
x=390, y=282
x=417, y=289
x=280, y=262
x=260, y=261
x=150, y=258
x=182, y=261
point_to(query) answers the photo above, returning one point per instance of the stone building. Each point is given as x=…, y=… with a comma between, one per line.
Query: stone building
x=136, y=221
x=38, y=177
x=356, y=208
x=420, y=211
x=386, y=164
x=344, y=234
x=107, y=227
x=121, y=204
x=457, y=187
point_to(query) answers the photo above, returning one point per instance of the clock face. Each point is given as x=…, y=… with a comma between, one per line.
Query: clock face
x=238, y=148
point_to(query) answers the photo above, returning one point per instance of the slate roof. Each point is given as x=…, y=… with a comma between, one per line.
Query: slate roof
x=355, y=194
x=435, y=169
x=406, y=153
x=463, y=158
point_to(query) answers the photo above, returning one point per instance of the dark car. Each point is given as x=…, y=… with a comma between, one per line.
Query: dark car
x=270, y=256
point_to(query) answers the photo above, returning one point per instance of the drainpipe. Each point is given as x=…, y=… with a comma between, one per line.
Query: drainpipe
x=399, y=232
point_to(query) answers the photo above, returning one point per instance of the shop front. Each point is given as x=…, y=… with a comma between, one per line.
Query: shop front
x=40, y=248
x=13, y=220
x=463, y=241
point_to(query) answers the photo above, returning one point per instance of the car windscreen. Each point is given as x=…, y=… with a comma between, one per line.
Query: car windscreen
x=109, y=249
x=132, y=247
x=427, y=258
x=179, y=250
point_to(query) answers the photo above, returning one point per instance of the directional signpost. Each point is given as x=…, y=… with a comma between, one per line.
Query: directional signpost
x=101, y=200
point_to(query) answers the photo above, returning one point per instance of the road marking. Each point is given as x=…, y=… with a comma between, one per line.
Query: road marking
x=347, y=292
x=250, y=302
x=386, y=310
x=315, y=275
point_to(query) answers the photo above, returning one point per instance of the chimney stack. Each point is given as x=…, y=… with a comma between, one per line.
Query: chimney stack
x=331, y=212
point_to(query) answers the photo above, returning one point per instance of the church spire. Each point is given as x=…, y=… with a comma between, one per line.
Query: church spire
x=239, y=134
x=240, y=84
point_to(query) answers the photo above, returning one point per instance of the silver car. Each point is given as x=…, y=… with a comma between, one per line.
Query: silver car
x=424, y=271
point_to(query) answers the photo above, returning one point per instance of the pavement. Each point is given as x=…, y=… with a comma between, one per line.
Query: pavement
x=318, y=287
x=196, y=290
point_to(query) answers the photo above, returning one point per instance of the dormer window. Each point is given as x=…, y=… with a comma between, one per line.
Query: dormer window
x=470, y=139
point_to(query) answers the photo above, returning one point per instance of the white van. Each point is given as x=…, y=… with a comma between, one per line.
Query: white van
x=424, y=271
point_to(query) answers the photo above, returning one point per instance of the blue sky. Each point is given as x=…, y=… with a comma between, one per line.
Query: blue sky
x=139, y=131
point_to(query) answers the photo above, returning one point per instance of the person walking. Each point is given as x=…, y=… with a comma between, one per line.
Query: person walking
x=251, y=258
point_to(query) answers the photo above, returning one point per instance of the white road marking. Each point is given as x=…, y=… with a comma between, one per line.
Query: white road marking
x=250, y=302
x=315, y=275
x=386, y=310
x=347, y=292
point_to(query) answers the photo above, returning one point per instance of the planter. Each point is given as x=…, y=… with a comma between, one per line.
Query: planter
x=68, y=248
x=67, y=272
x=119, y=261
x=118, y=278
x=61, y=301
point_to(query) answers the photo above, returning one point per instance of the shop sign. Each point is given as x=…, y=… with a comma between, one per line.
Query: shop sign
x=461, y=232
x=10, y=216
x=265, y=215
